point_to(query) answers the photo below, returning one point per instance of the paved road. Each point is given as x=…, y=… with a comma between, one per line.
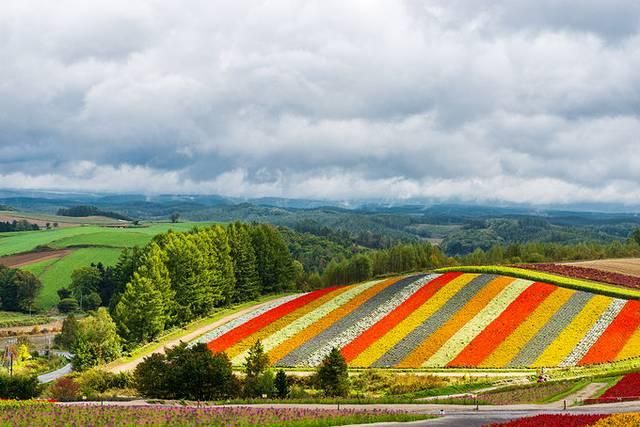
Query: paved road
x=54, y=375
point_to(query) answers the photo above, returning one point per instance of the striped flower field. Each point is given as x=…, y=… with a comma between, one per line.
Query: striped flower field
x=439, y=320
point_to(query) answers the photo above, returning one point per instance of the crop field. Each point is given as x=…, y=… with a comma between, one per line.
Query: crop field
x=63, y=221
x=588, y=273
x=629, y=266
x=454, y=319
x=56, y=273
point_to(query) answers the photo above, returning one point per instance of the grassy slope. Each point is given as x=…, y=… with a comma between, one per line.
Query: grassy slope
x=566, y=282
x=56, y=274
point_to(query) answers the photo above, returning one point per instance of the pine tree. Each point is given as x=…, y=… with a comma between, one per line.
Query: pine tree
x=333, y=376
x=244, y=262
x=140, y=313
x=153, y=267
x=282, y=384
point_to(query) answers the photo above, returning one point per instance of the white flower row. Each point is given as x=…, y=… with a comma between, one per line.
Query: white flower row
x=594, y=333
x=308, y=319
x=368, y=321
x=221, y=330
x=472, y=329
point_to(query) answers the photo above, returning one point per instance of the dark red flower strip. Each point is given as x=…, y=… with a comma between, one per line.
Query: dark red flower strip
x=615, y=336
x=586, y=273
x=628, y=386
x=554, y=420
x=503, y=326
x=242, y=331
x=371, y=335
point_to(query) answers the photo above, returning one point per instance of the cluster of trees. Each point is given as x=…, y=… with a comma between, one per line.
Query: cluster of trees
x=21, y=225
x=397, y=259
x=86, y=210
x=93, y=340
x=195, y=373
x=552, y=252
x=18, y=289
x=178, y=277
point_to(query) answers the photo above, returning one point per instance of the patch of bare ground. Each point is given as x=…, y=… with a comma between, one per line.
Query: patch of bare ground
x=21, y=260
x=629, y=266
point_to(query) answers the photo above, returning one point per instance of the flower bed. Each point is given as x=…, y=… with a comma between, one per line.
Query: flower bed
x=554, y=420
x=98, y=416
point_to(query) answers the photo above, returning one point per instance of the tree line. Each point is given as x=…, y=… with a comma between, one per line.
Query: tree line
x=21, y=225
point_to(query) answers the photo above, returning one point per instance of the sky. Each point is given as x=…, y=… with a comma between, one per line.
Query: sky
x=520, y=101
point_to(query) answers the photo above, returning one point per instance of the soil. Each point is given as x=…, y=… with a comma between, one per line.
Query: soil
x=629, y=266
x=20, y=260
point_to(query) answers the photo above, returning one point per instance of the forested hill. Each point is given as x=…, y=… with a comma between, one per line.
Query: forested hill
x=458, y=229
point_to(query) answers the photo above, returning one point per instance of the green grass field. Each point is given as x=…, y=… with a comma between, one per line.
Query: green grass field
x=14, y=243
x=56, y=274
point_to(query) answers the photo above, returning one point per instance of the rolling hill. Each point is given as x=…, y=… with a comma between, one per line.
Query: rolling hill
x=439, y=320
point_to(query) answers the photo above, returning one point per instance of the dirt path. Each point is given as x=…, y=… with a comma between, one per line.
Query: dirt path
x=585, y=393
x=20, y=260
x=130, y=365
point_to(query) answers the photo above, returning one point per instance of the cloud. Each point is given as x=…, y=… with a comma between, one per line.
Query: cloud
x=465, y=100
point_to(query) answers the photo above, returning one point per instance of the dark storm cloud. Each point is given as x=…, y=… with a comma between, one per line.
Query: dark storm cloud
x=523, y=101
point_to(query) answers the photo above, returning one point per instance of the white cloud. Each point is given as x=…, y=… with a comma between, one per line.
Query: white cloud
x=517, y=101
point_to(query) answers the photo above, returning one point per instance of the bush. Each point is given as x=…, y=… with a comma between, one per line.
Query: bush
x=65, y=389
x=68, y=305
x=19, y=387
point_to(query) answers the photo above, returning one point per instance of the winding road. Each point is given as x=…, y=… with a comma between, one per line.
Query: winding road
x=54, y=375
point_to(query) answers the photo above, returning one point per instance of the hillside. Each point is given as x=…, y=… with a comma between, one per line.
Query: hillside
x=439, y=320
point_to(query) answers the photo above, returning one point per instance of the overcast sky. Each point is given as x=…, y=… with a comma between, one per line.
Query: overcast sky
x=534, y=101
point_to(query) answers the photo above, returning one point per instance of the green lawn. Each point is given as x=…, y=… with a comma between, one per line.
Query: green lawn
x=55, y=274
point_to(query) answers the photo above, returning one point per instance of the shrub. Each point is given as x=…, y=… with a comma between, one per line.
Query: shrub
x=65, y=389
x=19, y=387
x=68, y=305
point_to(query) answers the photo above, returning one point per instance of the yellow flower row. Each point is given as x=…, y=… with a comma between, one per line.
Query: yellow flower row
x=314, y=329
x=433, y=343
x=471, y=329
x=515, y=342
x=415, y=319
x=619, y=420
x=631, y=348
x=573, y=333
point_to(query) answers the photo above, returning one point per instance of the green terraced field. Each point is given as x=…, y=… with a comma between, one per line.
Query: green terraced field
x=56, y=273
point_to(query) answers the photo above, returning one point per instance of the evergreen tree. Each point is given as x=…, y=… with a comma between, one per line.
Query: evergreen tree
x=333, y=376
x=282, y=384
x=153, y=267
x=273, y=260
x=140, y=313
x=258, y=379
x=244, y=263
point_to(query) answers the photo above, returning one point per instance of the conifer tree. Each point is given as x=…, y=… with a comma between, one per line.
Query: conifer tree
x=244, y=263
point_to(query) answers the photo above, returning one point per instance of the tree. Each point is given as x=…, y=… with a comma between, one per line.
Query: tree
x=273, y=259
x=635, y=236
x=259, y=379
x=186, y=373
x=244, y=263
x=97, y=341
x=333, y=376
x=68, y=305
x=140, y=313
x=64, y=293
x=174, y=217
x=18, y=289
x=84, y=281
x=282, y=384
x=69, y=333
